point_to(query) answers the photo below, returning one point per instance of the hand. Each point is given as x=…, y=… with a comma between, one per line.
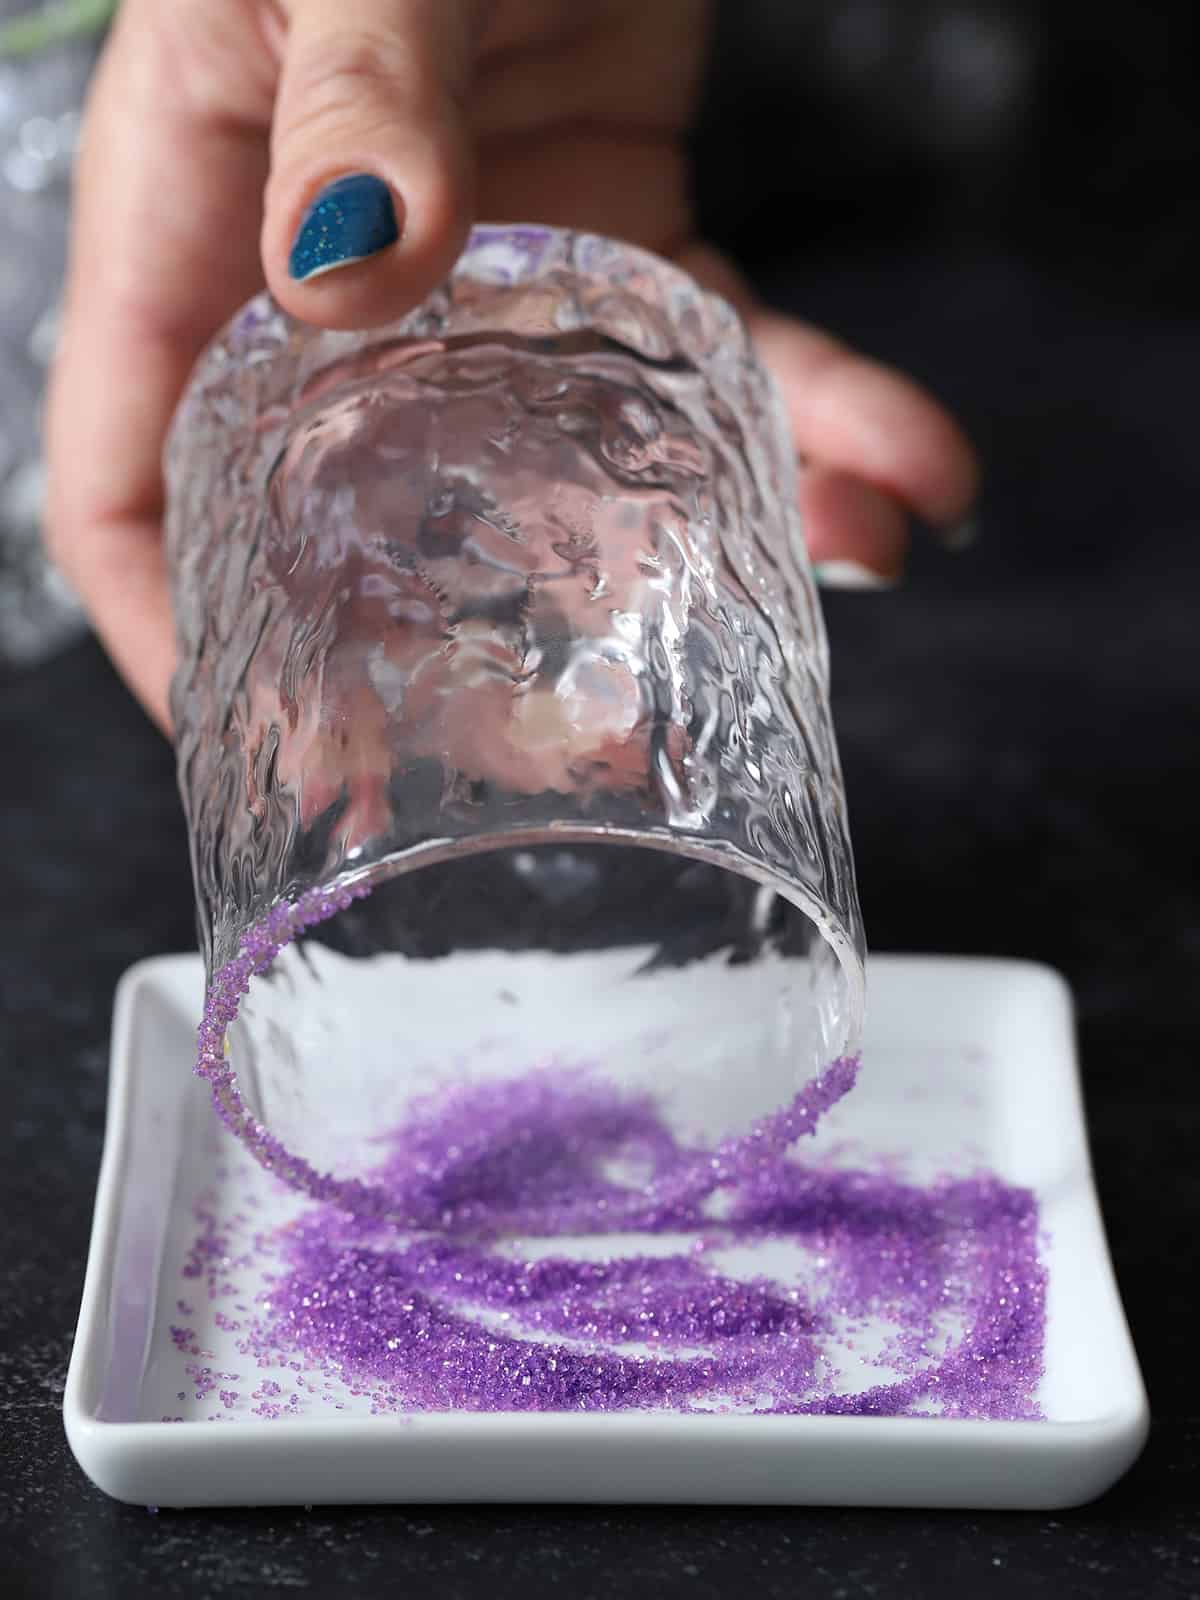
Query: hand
x=214, y=125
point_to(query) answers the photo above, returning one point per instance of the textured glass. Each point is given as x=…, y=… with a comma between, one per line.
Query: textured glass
x=512, y=591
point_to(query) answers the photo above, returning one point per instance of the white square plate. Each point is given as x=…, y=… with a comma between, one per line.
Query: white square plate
x=968, y=1062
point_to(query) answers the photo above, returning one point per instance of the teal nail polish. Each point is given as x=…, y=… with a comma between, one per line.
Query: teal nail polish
x=350, y=219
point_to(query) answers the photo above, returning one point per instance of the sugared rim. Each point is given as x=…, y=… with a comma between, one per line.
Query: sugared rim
x=289, y=919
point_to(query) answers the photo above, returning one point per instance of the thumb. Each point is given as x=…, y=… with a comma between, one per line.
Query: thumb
x=370, y=193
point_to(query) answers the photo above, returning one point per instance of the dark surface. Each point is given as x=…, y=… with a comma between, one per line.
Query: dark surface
x=1020, y=731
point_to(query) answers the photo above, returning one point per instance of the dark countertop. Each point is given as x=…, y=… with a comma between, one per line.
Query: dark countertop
x=1019, y=730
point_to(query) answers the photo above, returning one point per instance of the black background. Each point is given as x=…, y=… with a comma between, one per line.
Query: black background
x=997, y=197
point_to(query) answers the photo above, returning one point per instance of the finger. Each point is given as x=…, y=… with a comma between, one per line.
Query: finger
x=163, y=250
x=370, y=193
x=857, y=536
x=852, y=414
x=861, y=418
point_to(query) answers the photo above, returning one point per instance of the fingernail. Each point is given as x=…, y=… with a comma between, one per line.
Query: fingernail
x=851, y=575
x=350, y=219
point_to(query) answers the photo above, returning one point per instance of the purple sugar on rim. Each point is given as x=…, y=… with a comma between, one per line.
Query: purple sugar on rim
x=229, y=985
x=673, y=1191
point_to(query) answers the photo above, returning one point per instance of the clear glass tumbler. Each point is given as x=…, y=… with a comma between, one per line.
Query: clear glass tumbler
x=502, y=715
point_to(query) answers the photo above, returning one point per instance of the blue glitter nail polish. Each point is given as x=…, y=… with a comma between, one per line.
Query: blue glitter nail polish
x=351, y=218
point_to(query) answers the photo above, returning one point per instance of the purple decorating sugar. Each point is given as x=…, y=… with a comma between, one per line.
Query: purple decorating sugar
x=466, y=1320
x=259, y=946
x=412, y=1287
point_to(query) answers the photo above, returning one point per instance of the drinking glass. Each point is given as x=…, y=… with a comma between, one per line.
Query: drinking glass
x=502, y=714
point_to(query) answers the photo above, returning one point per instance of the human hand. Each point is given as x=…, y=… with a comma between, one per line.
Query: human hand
x=214, y=126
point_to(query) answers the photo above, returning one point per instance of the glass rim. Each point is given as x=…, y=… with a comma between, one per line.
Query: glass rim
x=288, y=920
